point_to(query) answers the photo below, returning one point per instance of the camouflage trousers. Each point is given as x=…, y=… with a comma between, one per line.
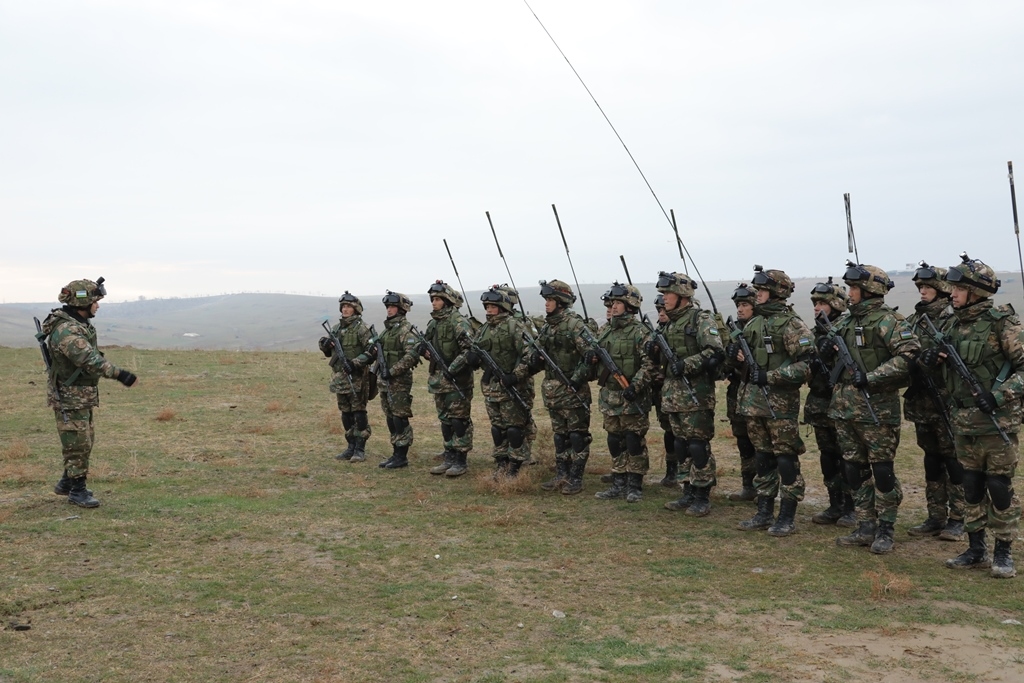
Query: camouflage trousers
x=452, y=406
x=564, y=421
x=868, y=445
x=772, y=438
x=987, y=456
x=397, y=403
x=944, y=498
x=748, y=467
x=700, y=425
x=830, y=457
x=503, y=416
x=76, y=439
x=353, y=427
x=622, y=429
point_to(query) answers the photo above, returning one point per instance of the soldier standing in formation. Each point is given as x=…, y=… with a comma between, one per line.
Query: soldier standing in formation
x=688, y=395
x=568, y=406
x=671, y=478
x=769, y=399
x=351, y=382
x=401, y=355
x=990, y=341
x=744, y=298
x=76, y=365
x=924, y=404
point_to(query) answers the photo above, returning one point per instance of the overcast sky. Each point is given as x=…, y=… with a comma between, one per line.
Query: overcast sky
x=193, y=147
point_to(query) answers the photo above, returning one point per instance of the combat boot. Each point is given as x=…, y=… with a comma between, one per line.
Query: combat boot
x=460, y=465
x=671, y=472
x=561, y=476
x=398, y=460
x=358, y=454
x=883, y=542
x=976, y=555
x=849, y=518
x=786, y=523
x=929, y=527
x=512, y=471
x=446, y=463
x=1002, y=561
x=954, y=530
x=682, y=502
x=348, y=452
x=864, y=534
x=575, y=483
x=500, y=468
x=834, y=511
x=617, y=490
x=763, y=518
x=634, y=488
x=748, y=492
x=81, y=496
x=701, y=505
x=63, y=487
x=607, y=478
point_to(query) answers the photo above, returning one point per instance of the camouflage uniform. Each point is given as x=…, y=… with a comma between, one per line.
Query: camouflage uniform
x=531, y=326
x=356, y=388
x=883, y=346
x=743, y=293
x=672, y=465
x=77, y=365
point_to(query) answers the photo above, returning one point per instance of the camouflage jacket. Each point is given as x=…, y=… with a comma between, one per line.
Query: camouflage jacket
x=401, y=350
x=625, y=338
x=354, y=336
x=918, y=403
x=501, y=336
x=990, y=340
x=693, y=336
x=450, y=333
x=884, y=346
x=560, y=338
x=781, y=343
x=77, y=362
x=819, y=386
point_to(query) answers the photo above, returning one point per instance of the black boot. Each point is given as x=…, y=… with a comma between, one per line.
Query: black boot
x=358, y=454
x=446, y=463
x=561, y=476
x=671, y=472
x=748, y=492
x=81, y=496
x=399, y=459
x=348, y=452
x=634, y=488
x=513, y=468
x=459, y=466
x=834, y=511
x=500, y=467
x=682, y=502
x=883, y=542
x=849, y=518
x=786, y=523
x=864, y=534
x=1002, y=561
x=607, y=478
x=953, y=531
x=763, y=518
x=701, y=505
x=976, y=555
x=63, y=487
x=617, y=490
x=575, y=483
x=929, y=527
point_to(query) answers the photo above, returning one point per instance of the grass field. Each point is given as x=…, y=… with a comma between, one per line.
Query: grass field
x=230, y=545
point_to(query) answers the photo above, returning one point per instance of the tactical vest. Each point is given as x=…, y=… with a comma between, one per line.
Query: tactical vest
x=348, y=335
x=988, y=365
x=765, y=337
x=501, y=341
x=443, y=334
x=64, y=371
x=621, y=346
x=557, y=340
x=681, y=334
x=393, y=341
x=862, y=337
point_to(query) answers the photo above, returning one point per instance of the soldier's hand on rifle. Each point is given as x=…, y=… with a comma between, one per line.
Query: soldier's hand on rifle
x=652, y=349
x=678, y=368
x=508, y=379
x=826, y=349
x=421, y=351
x=735, y=352
x=574, y=385
x=348, y=367
x=473, y=359
x=711, y=364
x=629, y=393
x=590, y=357
x=759, y=376
x=859, y=378
x=326, y=346
x=128, y=379
x=986, y=403
x=931, y=358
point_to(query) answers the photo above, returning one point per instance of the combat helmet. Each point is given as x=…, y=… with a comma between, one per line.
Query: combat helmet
x=933, y=277
x=659, y=302
x=499, y=297
x=872, y=280
x=352, y=300
x=776, y=282
x=443, y=291
x=560, y=291
x=676, y=283
x=627, y=294
x=82, y=293
x=510, y=291
x=974, y=275
x=830, y=293
x=744, y=294
x=398, y=299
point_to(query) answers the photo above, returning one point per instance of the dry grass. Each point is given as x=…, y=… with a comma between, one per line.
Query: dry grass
x=275, y=407
x=166, y=415
x=260, y=429
x=17, y=449
x=886, y=585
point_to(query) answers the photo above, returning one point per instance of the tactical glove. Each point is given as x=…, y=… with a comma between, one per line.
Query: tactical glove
x=326, y=346
x=473, y=359
x=759, y=376
x=826, y=349
x=574, y=385
x=629, y=393
x=930, y=358
x=590, y=357
x=712, y=363
x=126, y=378
x=508, y=379
x=859, y=379
x=986, y=403
x=732, y=351
x=348, y=367
x=678, y=368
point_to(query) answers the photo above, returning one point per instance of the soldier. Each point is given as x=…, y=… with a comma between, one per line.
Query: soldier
x=670, y=480
x=744, y=298
x=568, y=406
x=531, y=327
x=401, y=355
x=924, y=404
x=990, y=340
x=352, y=381
x=866, y=404
x=688, y=396
x=625, y=408
x=829, y=299
x=76, y=365
x=781, y=344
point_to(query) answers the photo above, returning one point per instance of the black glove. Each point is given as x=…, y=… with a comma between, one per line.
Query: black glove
x=326, y=346
x=385, y=374
x=508, y=379
x=126, y=378
x=826, y=349
x=712, y=363
x=574, y=385
x=421, y=351
x=629, y=393
x=473, y=359
x=986, y=402
x=651, y=348
x=930, y=358
x=590, y=357
x=347, y=366
x=536, y=363
x=732, y=351
x=859, y=379
x=678, y=368
x=759, y=376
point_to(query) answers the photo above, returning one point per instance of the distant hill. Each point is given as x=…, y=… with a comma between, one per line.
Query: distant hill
x=271, y=322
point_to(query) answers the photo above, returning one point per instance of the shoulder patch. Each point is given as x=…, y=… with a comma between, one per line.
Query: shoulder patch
x=804, y=341
x=906, y=334
x=714, y=331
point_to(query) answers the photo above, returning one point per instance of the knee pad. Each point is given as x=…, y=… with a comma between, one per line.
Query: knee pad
x=401, y=424
x=347, y=420
x=460, y=426
x=447, y=432
x=934, y=466
x=1000, y=489
x=670, y=441
x=516, y=436
x=955, y=471
x=885, y=476
x=699, y=451
x=789, y=467
x=855, y=473
x=616, y=444
x=974, y=486
x=679, y=447
x=361, y=422
x=580, y=441
x=765, y=462
x=497, y=435
x=831, y=464
x=391, y=425
x=634, y=444
x=561, y=442
x=745, y=447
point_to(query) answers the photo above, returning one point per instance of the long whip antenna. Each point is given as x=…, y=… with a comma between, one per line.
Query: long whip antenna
x=625, y=268
x=464, y=297
x=679, y=241
x=502, y=255
x=578, y=290
x=1016, y=225
x=851, y=240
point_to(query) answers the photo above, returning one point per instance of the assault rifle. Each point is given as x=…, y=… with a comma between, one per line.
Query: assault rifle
x=495, y=372
x=48, y=361
x=846, y=361
x=553, y=367
x=668, y=354
x=933, y=393
x=609, y=365
x=436, y=359
x=748, y=358
x=945, y=347
x=338, y=360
